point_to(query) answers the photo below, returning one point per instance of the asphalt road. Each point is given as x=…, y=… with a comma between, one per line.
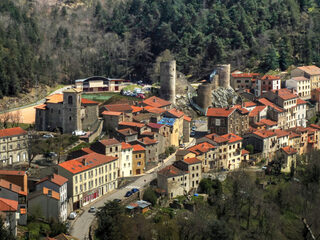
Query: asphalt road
x=80, y=226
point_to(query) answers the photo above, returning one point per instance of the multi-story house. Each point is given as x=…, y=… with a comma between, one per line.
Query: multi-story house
x=57, y=184
x=243, y=80
x=310, y=72
x=127, y=135
x=19, y=178
x=267, y=83
x=178, y=124
x=294, y=141
x=288, y=156
x=257, y=114
x=228, y=120
x=151, y=147
x=163, y=135
x=233, y=150
x=90, y=177
x=101, y=84
x=282, y=138
x=301, y=114
x=301, y=86
x=10, y=215
x=193, y=167
x=205, y=152
x=175, y=137
x=275, y=113
x=13, y=146
x=126, y=160
x=156, y=102
x=138, y=159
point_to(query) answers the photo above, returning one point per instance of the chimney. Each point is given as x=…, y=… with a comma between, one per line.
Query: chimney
x=10, y=186
x=49, y=193
x=84, y=162
x=154, y=100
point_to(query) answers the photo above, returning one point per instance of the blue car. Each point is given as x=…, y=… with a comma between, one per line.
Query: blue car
x=134, y=190
x=128, y=194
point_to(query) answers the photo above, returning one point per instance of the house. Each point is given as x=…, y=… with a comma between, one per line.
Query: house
x=67, y=112
x=243, y=80
x=193, y=167
x=267, y=83
x=10, y=214
x=101, y=84
x=288, y=156
x=108, y=147
x=138, y=159
x=138, y=127
x=111, y=120
x=126, y=160
x=301, y=113
x=234, y=150
x=249, y=105
x=310, y=72
x=19, y=178
x=205, y=152
x=257, y=114
x=275, y=113
x=127, y=135
x=182, y=154
x=61, y=236
x=245, y=157
x=228, y=120
x=13, y=146
x=265, y=124
x=156, y=102
x=175, y=131
x=13, y=192
x=89, y=177
x=282, y=138
x=301, y=85
x=163, y=135
x=57, y=184
x=151, y=147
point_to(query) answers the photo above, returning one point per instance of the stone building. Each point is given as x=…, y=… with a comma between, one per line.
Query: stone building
x=10, y=215
x=288, y=157
x=310, y=72
x=138, y=159
x=243, y=80
x=13, y=146
x=67, y=112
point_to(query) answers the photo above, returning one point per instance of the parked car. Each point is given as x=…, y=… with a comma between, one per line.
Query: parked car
x=194, y=128
x=192, y=134
x=134, y=190
x=78, y=133
x=264, y=168
x=72, y=215
x=49, y=135
x=128, y=194
x=52, y=154
x=117, y=200
x=92, y=210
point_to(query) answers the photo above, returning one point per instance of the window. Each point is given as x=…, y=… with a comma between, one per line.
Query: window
x=85, y=176
x=70, y=118
x=96, y=182
x=96, y=172
x=76, y=190
x=139, y=155
x=85, y=187
x=70, y=99
x=110, y=167
x=114, y=175
x=139, y=163
x=114, y=165
x=193, y=168
x=80, y=178
x=80, y=188
x=110, y=177
x=76, y=179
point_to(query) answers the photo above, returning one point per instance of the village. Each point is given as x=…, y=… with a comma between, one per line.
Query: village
x=232, y=120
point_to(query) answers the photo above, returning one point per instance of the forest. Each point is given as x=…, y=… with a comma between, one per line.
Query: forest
x=58, y=43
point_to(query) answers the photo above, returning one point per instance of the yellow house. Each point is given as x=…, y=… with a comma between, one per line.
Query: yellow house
x=289, y=158
x=138, y=159
x=310, y=72
x=183, y=154
x=206, y=153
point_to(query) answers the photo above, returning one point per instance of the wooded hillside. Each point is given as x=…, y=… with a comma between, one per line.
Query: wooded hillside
x=49, y=44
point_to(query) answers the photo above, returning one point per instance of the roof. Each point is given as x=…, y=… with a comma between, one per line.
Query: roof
x=132, y=124
x=182, y=152
x=281, y=133
x=138, y=147
x=311, y=70
x=264, y=133
x=12, y=132
x=108, y=142
x=289, y=150
x=87, y=101
x=86, y=162
x=111, y=113
x=256, y=111
x=299, y=79
x=171, y=171
x=266, y=102
x=148, y=133
x=127, y=132
x=244, y=152
x=244, y=75
x=7, y=205
x=154, y=110
x=12, y=172
x=72, y=90
x=300, y=101
x=126, y=145
x=241, y=109
x=147, y=141
x=201, y=148
x=62, y=236
x=268, y=122
x=188, y=119
x=42, y=106
x=55, y=98
x=136, y=109
x=284, y=94
x=87, y=150
x=176, y=113
x=124, y=107
x=11, y=186
x=232, y=137
x=219, y=112
x=156, y=102
x=216, y=138
x=315, y=126
x=167, y=121
x=55, y=178
x=249, y=104
x=143, y=117
x=293, y=135
x=155, y=125
x=54, y=194
x=191, y=161
x=270, y=77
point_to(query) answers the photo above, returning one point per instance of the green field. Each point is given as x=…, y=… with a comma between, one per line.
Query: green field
x=101, y=97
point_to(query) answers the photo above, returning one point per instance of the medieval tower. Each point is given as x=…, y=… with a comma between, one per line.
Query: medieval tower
x=168, y=81
x=71, y=110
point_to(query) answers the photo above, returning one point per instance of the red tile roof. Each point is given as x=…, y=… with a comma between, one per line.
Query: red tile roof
x=241, y=109
x=244, y=152
x=108, y=142
x=42, y=106
x=191, y=161
x=154, y=110
x=256, y=111
x=293, y=135
x=119, y=107
x=268, y=122
x=126, y=145
x=86, y=162
x=138, y=147
x=264, y=133
x=156, y=102
x=300, y=79
x=132, y=124
x=232, y=137
x=87, y=150
x=244, y=75
x=55, y=178
x=270, y=77
x=176, y=113
x=315, y=126
x=284, y=94
x=201, y=148
x=55, y=98
x=155, y=125
x=12, y=132
x=300, y=101
x=148, y=133
x=10, y=186
x=171, y=171
x=147, y=141
x=219, y=112
x=289, y=150
x=311, y=70
x=7, y=205
x=188, y=119
x=281, y=133
x=249, y=104
x=12, y=172
x=216, y=138
x=111, y=113
x=87, y=101
x=136, y=109
x=127, y=132
x=266, y=102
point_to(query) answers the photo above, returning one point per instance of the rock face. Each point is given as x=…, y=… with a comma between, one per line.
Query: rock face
x=224, y=97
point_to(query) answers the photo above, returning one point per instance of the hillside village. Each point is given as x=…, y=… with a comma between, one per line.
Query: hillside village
x=274, y=123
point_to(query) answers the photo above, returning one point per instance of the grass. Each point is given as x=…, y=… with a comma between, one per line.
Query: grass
x=24, y=126
x=80, y=146
x=100, y=97
x=58, y=86
x=132, y=87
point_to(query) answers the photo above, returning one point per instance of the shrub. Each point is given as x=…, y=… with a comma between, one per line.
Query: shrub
x=150, y=196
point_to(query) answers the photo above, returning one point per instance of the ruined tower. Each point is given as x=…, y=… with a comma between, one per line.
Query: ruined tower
x=168, y=81
x=71, y=110
x=223, y=70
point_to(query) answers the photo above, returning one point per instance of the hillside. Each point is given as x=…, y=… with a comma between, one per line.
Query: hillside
x=58, y=41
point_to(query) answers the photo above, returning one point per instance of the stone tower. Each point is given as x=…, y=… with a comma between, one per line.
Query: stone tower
x=223, y=70
x=71, y=110
x=168, y=81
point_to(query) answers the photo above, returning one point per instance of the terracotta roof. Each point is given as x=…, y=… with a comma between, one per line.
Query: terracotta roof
x=12, y=172
x=232, y=137
x=42, y=106
x=281, y=133
x=268, y=122
x=132, y=124
x=148, y=133
x=191, y=161
x=55, y=98
x=154, y=110
x=311, y=70
x=182, y=152
x=244, y=75
x=147, y=141
x=155, y=125
x=249, y=104
x=264, y=133
x=156, y=102
x=300, y=79
x=188, y=119
x=125, y=146
x=143, y=117
x=315, y=126
x=270, y=77
x=241, y=109
x=86, y=162
x=138, y=147
x=176, y=113
x=284, y=94
x=244, y=152
x=54, y=194
x=256, y=111
x=216, y=138
x=55, y=178
x=289, y=150
x=12, y=132
x=87, y=101
x=136, y=109
x=300, y=101
x=12, y=187
x=266, y=102
x=171, y=171
x=108, y=142
x=201, y=148
x=299, y=129
x=87, y=150
x=7, y=205
x=293, y=135
x=119, y=107
x=111, y=113
x=219, y=112
x=127, y=132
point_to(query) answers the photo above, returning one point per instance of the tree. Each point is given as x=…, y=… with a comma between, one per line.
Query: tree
x=250, y=148
x=32, y=146
x=4, y=232
x=271, y=61
x=150, y=196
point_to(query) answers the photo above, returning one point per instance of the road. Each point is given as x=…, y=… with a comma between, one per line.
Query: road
x=80, y=226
